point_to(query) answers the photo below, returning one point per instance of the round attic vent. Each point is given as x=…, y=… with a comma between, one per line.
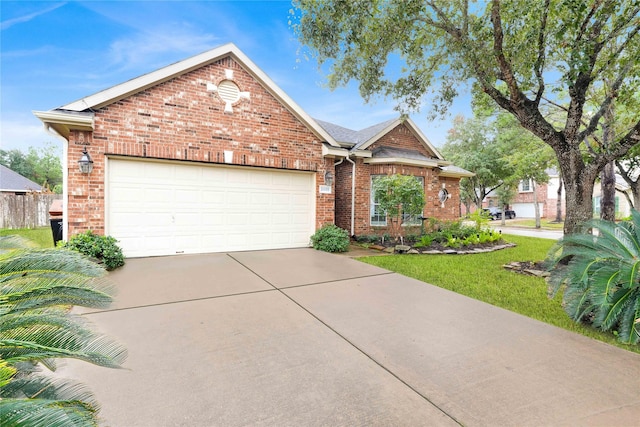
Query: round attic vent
x=228, y=91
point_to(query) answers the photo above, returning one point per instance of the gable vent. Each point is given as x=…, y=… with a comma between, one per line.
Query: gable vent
x=228, y=91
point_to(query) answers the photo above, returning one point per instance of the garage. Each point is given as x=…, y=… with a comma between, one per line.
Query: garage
x=165, y=208
x=527, y=210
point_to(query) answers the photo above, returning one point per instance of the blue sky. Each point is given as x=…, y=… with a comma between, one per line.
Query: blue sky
x=52, y=53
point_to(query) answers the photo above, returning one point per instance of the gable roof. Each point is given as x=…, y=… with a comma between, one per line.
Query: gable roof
x=11, y=181
x=78, y=114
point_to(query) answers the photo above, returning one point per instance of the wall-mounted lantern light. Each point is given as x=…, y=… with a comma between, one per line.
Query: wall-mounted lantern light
x=328, y=178
x=85, y=163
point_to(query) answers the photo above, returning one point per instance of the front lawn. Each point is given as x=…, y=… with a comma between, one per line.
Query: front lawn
x=545, y=224
x=482, y=277
x=41, y=236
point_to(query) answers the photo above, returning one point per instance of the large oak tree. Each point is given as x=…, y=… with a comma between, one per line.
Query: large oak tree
x=522, y=54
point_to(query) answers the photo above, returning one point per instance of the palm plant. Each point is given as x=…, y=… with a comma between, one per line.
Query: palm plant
x=37, y=290
x=601, y=280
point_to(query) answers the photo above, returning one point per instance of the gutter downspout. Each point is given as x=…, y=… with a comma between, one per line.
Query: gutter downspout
x=353, y=195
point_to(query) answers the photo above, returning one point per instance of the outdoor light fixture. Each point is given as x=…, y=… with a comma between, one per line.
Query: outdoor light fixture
x=85, y=163
x=328, y=178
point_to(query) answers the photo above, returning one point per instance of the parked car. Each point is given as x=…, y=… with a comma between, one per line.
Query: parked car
x=496, y=213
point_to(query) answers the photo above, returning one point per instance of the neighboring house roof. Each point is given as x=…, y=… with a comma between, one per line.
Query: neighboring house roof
x=77, y=114
x=11, y=181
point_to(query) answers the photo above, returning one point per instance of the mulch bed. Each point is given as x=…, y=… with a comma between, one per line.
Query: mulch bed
x=528, y=268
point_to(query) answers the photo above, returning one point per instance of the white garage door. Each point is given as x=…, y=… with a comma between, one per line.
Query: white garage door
x=527, y=210
x=161, y=208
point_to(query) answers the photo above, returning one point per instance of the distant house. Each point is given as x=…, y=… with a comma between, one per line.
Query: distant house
x=13, y=183
x=623, y=208
x=547, y=195
x=523, y=202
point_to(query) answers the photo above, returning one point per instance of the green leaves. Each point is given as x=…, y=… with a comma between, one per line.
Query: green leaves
x=37, y=290
x=601, y=281
x=102, y=248
x=398, y=194
x=331, y=238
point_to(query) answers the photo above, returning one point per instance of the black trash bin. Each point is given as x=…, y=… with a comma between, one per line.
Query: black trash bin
x=55, y=219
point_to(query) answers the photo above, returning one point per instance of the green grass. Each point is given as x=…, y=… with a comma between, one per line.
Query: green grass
x=546, y=224
x=482, y=277
x=41, y=236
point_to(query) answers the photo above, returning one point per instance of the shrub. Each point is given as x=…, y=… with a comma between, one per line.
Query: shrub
x=331, y=238
x=424, y=242
x=368, y=238
x=601, y=281
x=104, y=248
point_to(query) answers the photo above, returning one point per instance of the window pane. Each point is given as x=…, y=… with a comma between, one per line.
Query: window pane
x=377, y=216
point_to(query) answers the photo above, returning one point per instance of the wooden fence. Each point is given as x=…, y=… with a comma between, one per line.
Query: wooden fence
x=25, y=211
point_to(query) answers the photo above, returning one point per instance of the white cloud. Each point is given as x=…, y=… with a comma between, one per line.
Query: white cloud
x=21, y=132
x=26, y=18
x=145, y=48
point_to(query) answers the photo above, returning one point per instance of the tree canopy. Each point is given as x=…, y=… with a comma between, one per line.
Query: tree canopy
x=471, y=144
x=523, y=55
x=40, y=165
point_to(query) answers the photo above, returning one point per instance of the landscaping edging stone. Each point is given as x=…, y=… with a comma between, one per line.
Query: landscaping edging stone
x=404, y=249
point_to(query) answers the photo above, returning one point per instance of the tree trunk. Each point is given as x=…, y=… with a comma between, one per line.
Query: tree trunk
x=608, y=192
x=578, y=189
x=559, y=203
x=536, y=207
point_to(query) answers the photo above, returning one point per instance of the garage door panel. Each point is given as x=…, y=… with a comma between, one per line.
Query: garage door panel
x=167, y=208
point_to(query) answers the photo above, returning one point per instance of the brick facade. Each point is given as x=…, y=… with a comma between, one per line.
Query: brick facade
x=182, y=120
x=399, y=137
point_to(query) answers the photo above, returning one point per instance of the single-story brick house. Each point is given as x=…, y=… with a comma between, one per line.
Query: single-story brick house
x=209, y=154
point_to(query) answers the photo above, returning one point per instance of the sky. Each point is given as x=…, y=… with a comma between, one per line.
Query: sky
x=53, y=53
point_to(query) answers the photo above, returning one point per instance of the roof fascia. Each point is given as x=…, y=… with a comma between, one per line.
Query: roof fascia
x=362, y=153
x=62, y=122
x=138, y=84
x=423, y=138
x=459, y=174
x=331, y=151
x=401, y=161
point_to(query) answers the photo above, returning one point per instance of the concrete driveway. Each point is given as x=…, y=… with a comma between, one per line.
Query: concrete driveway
x=304, y=338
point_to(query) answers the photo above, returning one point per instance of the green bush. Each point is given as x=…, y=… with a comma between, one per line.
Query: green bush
x=601, y=280
x=424, y=242
x=331, y=238
x=104, y=248
x=368, y=238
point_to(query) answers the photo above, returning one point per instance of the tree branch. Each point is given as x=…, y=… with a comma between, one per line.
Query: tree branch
x=498, y=51
x=540, y=61
x=611, y=95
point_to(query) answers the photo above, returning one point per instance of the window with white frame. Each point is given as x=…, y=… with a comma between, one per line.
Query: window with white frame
x=525, y=186
x=379, y=218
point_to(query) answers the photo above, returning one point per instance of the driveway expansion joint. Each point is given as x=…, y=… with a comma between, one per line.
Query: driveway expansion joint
x=345, y=339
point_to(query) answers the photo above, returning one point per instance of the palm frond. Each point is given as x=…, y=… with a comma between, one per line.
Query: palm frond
x=49, y=388
x=52, y=334
x=37, y=289
x=602, y=276
x=50, y=413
